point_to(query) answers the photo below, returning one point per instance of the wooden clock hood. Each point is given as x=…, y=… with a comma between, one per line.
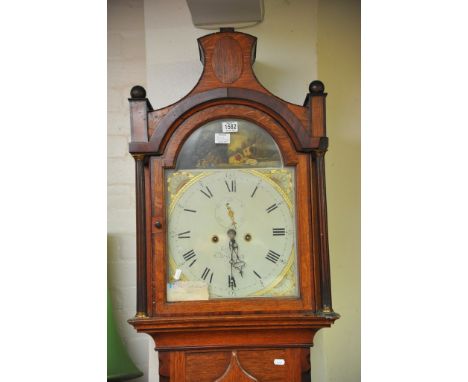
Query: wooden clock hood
x=189, y=338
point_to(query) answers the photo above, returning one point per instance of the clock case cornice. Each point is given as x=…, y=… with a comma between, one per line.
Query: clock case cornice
x=227, y=59
x=292, y=330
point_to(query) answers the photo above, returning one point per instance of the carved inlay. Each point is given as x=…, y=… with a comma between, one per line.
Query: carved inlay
x=235, y=372
x=227, y=60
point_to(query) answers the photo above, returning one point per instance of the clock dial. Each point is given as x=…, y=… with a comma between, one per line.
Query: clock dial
x=235, y=231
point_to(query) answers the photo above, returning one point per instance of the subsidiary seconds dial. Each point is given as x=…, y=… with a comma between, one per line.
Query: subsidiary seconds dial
x=234, y=230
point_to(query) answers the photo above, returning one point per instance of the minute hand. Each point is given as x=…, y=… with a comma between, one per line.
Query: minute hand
x=236, y=262
x=231, y=280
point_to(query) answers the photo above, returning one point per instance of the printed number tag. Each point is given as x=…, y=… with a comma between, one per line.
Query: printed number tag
x=279, y=362
x=230, y=127
x=221, y=138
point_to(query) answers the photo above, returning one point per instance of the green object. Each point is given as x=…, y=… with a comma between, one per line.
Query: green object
x=120, y=366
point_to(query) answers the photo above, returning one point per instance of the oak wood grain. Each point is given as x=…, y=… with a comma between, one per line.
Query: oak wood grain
x=235, y=372
x=227, y=60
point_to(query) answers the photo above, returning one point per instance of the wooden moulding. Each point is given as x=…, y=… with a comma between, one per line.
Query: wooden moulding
x=184, y=109
x=227, y=331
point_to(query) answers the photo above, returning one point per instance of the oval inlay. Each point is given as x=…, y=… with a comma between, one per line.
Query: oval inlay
x=227, y=60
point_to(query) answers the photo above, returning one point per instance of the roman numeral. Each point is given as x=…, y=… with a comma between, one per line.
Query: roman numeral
x=189, y=255
x=205, y=273
x=279, y=231
x=231, y=282
x=272, y=256
x=254, y=191
x=184, y=235
x=233, y=186
x=211, y=277
x=272, y=208
x=193, y=262
x=256, y=274
x=186, y=209
x=207, y=192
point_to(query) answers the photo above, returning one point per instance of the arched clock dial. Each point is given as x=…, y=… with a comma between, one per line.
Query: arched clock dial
x=233, y=230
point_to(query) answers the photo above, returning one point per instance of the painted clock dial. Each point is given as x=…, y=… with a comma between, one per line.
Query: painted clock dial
x=233, y=229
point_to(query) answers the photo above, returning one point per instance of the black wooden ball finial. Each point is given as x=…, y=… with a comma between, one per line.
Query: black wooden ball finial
x=316, y=87
x=138, y=92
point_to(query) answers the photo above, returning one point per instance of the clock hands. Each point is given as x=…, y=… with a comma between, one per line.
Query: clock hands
x=231, y=281
x=235, y=260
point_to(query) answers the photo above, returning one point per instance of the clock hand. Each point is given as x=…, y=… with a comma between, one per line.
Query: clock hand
x=231, y=215
x=231, y=280
x=237, y=263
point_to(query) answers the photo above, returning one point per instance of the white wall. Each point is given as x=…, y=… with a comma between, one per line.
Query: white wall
x=286, y=49
x=339, y=54
x=288, y=58
x=126, y=67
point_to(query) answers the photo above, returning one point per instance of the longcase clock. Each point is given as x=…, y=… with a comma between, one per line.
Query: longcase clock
x=233, y=276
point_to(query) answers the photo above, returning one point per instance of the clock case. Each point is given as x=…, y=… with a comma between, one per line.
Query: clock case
x=228, y=328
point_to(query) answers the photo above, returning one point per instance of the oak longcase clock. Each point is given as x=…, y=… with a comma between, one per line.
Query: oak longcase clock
x=233, y=275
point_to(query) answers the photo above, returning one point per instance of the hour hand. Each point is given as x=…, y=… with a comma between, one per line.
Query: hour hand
x=230, y=213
